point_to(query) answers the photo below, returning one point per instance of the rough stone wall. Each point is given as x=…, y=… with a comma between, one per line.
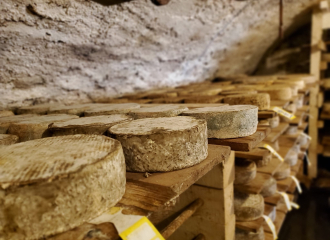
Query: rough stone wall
x=80, y=50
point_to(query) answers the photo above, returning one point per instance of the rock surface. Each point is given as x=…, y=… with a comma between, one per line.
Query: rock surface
x=70, y=51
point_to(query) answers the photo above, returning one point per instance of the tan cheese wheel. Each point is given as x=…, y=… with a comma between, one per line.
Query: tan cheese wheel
x=204, y=99
x=291, y=130
x=283, y=171
x=87, y=125
x=248, y=207
x=245, y=170
x=166, y=110
x=228, y=121
x=261, y=100
x=299, y=83
x=308, y=79
x=5, y=122
x=71, y=109
x=237, y=92
x=5, y=113
x=55, y=184
x=36, y=109
x=274, y=122
x=277, y=92
x=7, y=139
x=36, y=127
x=270, y=188
x=162, y=144
x=241, y=234
x=302, y=140
x=108, y=109
x=291, y=158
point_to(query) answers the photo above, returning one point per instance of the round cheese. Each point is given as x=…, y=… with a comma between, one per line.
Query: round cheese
x=291, y=158
x=291, y=130
x=5, y=122
x=72, y=109
x=241, y=234
x=4, y=113
x=108, y=109
x=277, y=92
x=162, y=144
x=97, y=125
x=269, y=188
x=248, y=207
x=35, y=127
x=283, y=171
x=36, y=109
x=166, y=110
x=228, y=121
x=262, y=100
x=51, y=185
x=245, y=170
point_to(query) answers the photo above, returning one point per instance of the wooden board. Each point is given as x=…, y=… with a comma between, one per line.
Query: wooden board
x=303, y=126
x=277, y=132
x=280, y=217
x=148, y=194
x=256, y=185
x=245, y=143
x=255, y=154
x=283, y=185
x=273, y=200
x=266, y=114
x=271, y=168
x=252, y=226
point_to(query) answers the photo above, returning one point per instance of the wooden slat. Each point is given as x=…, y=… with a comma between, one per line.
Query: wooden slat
x=271, y=168
x=256, y=185
x=244, y=143
x=266, y=114
x=252, y=226
x=277, y=132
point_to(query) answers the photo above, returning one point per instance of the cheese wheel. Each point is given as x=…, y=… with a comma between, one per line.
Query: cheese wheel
x=162, y=144
x=248, y=207
x=241, y=234
x=283, y=171
x=228, y=121
x=36, y=109
x=158, y=111
x=108, y=109
x=277, y=92
x=72, y=109
x=308, y=79
x=204, y=99
x=274, y=122
x=51, y=185
x=36, y=127
x=291, y=130
x=5, y=122
x=291, y=158
x=97, y=125
x=5, y=113
x=237, y=92
x=270, y=188
x=245, y=170
x=7, y=139
x=302, y=140
x=261, y=100
x=299, y=83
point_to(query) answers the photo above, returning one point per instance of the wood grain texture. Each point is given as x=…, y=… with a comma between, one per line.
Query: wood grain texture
x=256, y=185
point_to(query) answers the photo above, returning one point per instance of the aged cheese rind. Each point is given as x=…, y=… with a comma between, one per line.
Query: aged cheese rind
x=270, y=188
x=261, y=100
x=248, y=207
x=292, y=157
x=5, y=122
x=228, y=121
x=245, y=171
x=162, y=144
x=71, y=109
x=5, y=113
x=158, y=111
x=52, y=185
x=36, y=109
x=108, y=109
x=87, y=125
x=36, y=127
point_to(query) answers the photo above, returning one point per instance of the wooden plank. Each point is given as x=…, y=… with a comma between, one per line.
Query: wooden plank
x=256, y=185
x=244, y=143
x=277, y=132
x=283, y=185
x=266, y=114
x=252, y=226
x=148, y=194
x=221, y=175
x=313, y=133
x=271, y=168
x=280, y=217
x=273, y=200
x=303, y=126
x=256, y=155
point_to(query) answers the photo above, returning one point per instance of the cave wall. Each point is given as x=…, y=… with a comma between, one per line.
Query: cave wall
x=81, y=51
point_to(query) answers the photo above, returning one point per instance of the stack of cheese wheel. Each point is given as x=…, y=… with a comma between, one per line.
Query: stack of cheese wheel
x=228, y=121
x=51, y=185
x=109, y=109
x=162, y=144
x=283, y=171
x=278, y=92
x=245, y=170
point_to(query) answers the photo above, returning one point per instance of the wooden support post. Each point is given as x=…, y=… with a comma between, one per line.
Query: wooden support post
x=315, y=65
x=215, y=219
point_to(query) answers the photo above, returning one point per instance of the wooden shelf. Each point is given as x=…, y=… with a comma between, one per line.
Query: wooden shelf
x=245, y=143
x=271, y=167
x=265, y=114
